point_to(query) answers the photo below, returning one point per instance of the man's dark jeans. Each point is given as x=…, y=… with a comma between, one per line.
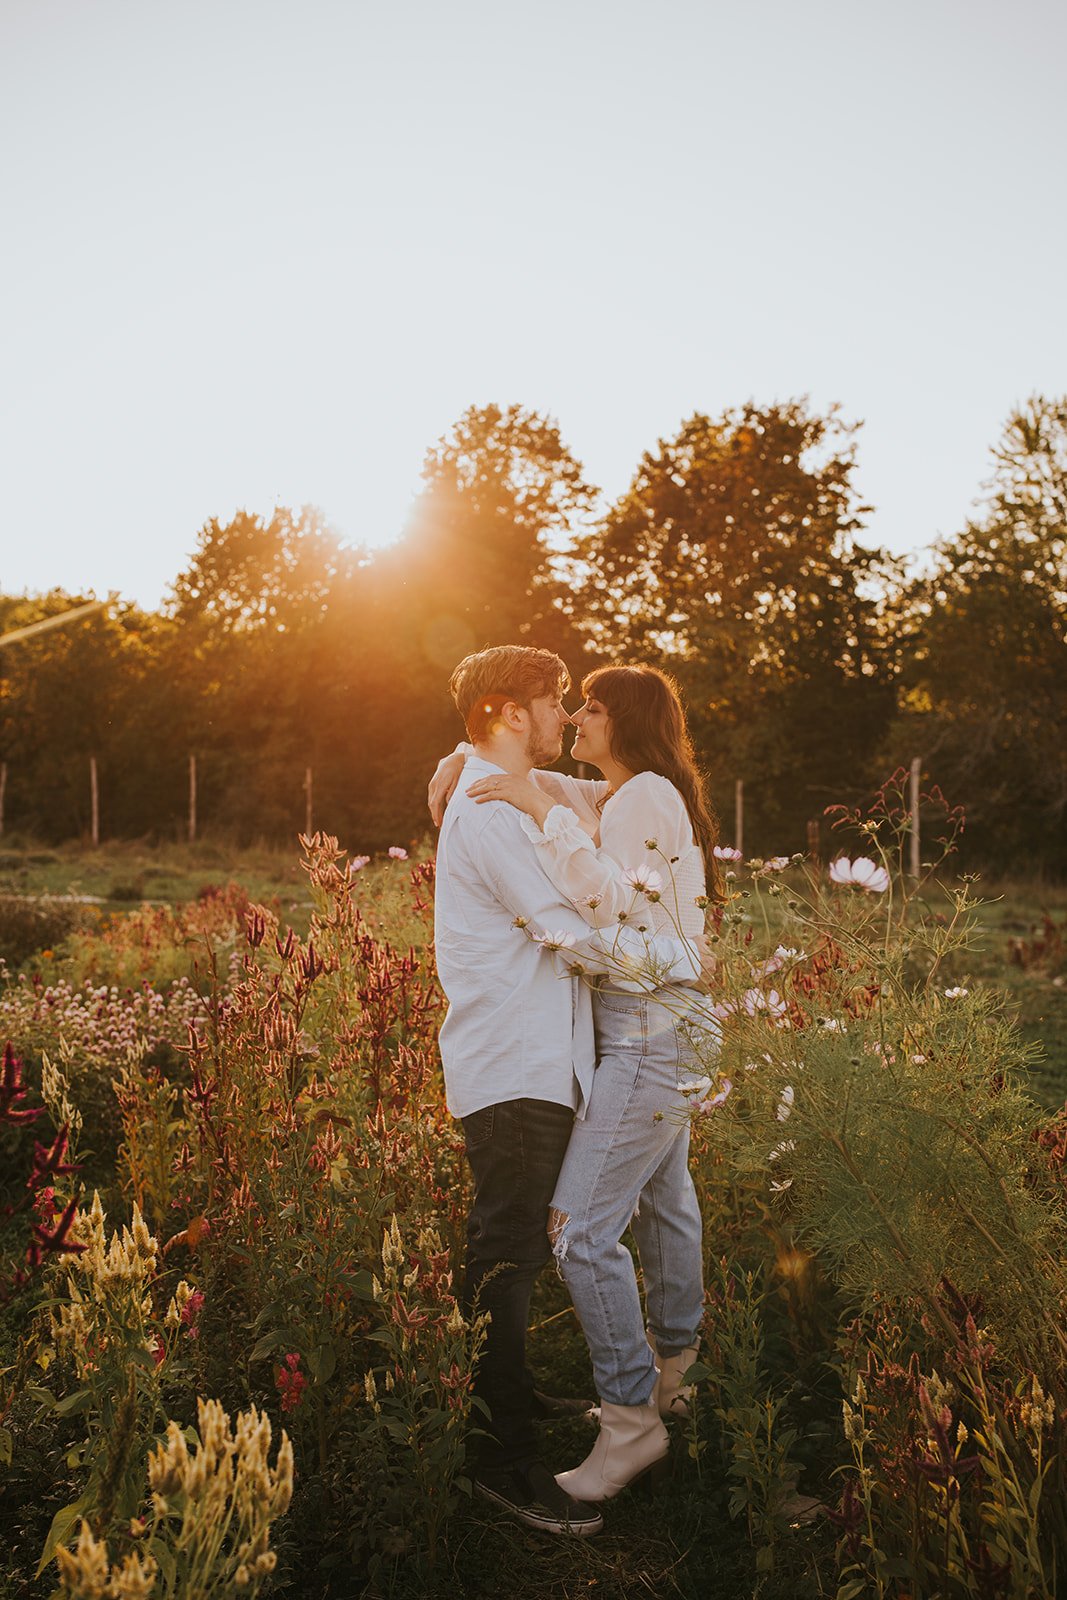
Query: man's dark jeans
x=515, y=1150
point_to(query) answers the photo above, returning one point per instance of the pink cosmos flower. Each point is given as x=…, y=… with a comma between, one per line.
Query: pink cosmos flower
x=726, y=852
x=359, y=862
x=397, y=852
x=862, y=873
x=715, y=1100
x=779, y=959
x=755, y=1001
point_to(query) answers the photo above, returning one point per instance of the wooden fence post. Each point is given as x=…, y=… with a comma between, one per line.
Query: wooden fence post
x=94, y=795
x=192, y=799
x=3, y=786
x=307, y=786
x=739, y=815
x=913, y=786
x=814, y=844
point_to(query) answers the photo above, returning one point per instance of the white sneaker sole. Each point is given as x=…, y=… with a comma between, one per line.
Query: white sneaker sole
x=543, y=1521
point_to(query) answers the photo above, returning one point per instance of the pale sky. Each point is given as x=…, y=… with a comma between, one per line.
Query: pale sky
x=258, y=252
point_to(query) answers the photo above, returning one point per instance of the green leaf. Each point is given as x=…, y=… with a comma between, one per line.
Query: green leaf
x=167, y=1564
x=322, y=1363
x=263, y=1347
x=849, y=1591
x=62, y=1525
x=72, y=1405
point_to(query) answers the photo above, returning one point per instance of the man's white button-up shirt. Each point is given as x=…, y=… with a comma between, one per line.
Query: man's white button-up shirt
x=519, y=1023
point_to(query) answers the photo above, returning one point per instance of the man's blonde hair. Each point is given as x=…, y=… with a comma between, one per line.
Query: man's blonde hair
x=483, y=683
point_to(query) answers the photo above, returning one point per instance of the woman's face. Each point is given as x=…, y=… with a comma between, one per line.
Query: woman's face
x=592, y=742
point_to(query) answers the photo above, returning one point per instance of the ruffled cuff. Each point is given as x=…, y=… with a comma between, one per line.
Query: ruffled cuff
x=561, y=826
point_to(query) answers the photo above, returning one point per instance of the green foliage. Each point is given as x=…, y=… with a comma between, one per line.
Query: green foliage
x=734, y=557
x=29, y=926
x=733, y=554
x=986, y=669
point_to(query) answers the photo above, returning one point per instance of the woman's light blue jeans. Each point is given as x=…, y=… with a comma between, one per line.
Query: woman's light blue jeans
x=627, y=1165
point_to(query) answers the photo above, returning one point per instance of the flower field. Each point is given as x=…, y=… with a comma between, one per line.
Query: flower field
x=233, y=1361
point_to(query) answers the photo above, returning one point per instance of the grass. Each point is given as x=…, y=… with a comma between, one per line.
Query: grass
x=126, y=872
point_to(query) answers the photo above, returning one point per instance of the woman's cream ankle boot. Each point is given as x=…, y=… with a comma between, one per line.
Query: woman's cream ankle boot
x=672, y=1400
x=632, y=1439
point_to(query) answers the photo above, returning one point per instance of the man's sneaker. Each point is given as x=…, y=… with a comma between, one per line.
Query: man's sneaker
x=533, y=1495
x=550, y=1407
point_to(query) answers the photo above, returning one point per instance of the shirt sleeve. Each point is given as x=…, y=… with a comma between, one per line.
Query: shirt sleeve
x=646, y=828
x=632, y=959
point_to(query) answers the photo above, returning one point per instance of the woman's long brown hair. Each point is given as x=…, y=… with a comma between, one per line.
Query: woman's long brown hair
x=649, y=734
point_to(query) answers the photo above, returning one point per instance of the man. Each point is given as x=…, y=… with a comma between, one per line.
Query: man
x=517, y=1046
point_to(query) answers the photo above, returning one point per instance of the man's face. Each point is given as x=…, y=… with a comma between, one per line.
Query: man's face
x=544, y=743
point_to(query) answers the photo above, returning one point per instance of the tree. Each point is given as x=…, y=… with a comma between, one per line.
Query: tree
x=75, y=692
x=985, y=687
x=731, y=560
x=503, y=498
x=249, y=574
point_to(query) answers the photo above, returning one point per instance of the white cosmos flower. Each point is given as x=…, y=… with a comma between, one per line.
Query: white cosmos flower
x=782, y=1149
x=832, y=1025
x=645, y=879
x=785, y=1104
x=555, y=941
x=689, y=1086
x=862, y=873
x=778, y=1186
x=777, y=863
x=957, y=993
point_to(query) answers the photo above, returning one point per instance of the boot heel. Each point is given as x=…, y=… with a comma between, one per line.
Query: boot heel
x=654, y=1477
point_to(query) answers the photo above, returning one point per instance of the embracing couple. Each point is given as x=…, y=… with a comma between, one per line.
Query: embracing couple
x=569, y=924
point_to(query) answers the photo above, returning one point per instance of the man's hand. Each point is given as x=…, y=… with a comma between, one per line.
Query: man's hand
x=443, y=784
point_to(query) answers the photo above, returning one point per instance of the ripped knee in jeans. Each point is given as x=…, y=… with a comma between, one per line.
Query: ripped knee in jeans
x=557, y=1222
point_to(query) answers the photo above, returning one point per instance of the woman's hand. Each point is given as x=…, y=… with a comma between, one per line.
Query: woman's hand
x=518, y=792
x=443, y=784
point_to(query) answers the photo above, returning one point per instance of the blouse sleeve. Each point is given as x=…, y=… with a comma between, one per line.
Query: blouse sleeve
x=641, y=827
x=583, y=796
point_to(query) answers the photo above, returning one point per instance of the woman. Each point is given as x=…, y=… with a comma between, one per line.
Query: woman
x=627, y=1162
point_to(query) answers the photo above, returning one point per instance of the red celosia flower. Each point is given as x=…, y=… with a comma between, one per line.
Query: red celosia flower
x=191, y=1312
x=57, y=1242
x=291, y=1382
x=49, y=1163
x=11, y=1090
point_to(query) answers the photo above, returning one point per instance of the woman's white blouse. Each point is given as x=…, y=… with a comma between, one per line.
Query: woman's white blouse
x=644, y=829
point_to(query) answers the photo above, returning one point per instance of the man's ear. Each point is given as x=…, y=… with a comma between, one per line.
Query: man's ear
x=514, y=716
